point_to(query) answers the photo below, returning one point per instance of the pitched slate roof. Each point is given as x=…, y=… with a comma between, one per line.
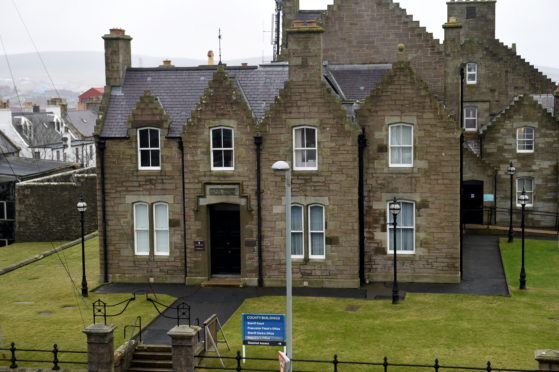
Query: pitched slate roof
x=179, y=90
x=6, y=145
x=547, y=101
x=83, y=121
x=356, y=81
x=24, y=168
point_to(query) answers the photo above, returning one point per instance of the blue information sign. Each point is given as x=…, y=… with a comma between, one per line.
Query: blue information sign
x=264, y=329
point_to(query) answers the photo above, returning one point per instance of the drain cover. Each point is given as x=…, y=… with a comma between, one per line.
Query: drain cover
x=352, y=308
x=554, y=319
x=44, y=313
x=24, y=302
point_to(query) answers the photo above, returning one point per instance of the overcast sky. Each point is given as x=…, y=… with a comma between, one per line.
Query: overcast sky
x=189, y=28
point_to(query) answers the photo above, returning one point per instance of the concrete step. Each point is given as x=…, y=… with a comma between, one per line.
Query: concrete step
x=150, y=363
x=153, y=355
x=154, y=348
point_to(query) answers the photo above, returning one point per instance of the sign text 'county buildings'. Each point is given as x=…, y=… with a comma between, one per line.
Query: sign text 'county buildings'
x=264, y=329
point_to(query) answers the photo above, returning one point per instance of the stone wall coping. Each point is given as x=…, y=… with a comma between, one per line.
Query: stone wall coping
x=547, y=355
x=183, y=331
x=99, y=328
x=56, y=175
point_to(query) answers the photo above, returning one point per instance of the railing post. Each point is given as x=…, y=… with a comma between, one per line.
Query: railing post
x=184, y=340
x=548, y=360
x=436, y=366
x=55, y=359
x=238, y=357
x=385, y=364
x=335, y=362
x=13, y=358
x=489, y=369
x=100, y=347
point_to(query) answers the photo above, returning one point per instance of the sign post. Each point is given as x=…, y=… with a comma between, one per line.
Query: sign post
x=284, y=362
x=263, y=330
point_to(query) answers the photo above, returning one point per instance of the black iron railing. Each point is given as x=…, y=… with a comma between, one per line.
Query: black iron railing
x=180, y=311
x=491, y=214
x=55, y=358
x=238, y=363
x=100, y=308
x=137, y=325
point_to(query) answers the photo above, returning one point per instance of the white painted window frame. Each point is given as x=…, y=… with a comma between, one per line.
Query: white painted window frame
x=323, y=231
x=157, y=229
x=523, y=141
x=473, y=117
x=140, y=149
x=221, y=149
x=136, y=229
x=296, y=149
x=471, y=73
x=302, y=231
x=529, y=193
x=390, y=146
x=390, y=227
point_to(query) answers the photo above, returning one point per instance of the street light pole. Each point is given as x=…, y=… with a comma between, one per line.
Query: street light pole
x=82, y=207
x=284, y=167
x=395, y=209
x=511, y=170
x=523, y=199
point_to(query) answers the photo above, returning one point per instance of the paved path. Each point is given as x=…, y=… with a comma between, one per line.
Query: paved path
x=483, y=275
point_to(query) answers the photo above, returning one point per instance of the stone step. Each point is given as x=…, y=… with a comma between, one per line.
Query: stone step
x=223, y=282
x=142, y=369
x=154, y=355
x=155, y=348
x=150, y=363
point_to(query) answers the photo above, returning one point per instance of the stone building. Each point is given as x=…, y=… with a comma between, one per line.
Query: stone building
x=365, y=107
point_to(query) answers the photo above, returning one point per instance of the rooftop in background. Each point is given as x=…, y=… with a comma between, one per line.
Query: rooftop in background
x=83, y=121
x=25, y=168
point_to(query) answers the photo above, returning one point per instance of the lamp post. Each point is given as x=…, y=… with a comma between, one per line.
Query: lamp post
x=511, y=170
x=523, y=199
x=283, y=166
x=82, y=207
x=395, y=209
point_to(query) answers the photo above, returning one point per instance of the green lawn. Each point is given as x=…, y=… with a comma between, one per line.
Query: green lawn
x=41, y=303
x=457, y=329
x=17, y=252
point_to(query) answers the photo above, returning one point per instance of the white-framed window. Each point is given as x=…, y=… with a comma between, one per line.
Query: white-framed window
x=400, y=139
x=141, y=229
x=297, y=231
x=470, y=118
x=525, y=139
x=471, y=73
x=526, y=184
x=161, y=229
x=316, y=232
x=405, y=228
x=222, y=148
x=149, y=152
x=305, y=151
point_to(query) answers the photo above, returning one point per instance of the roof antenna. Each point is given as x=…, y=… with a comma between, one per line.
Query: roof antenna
x=219, y=37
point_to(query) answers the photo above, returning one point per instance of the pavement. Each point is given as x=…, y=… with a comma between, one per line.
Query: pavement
x=483, y=275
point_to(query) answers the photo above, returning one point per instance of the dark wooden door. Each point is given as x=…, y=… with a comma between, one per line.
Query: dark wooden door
x=225, y=234
x=472, y=202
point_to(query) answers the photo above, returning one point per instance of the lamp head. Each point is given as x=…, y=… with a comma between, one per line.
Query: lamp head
x=523, y=198
x=394, y=207
x=280, y=166
x=511, y=170
x=82, y=205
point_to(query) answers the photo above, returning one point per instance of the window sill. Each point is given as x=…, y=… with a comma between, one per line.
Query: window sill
x=149, y=172
x=407, y=253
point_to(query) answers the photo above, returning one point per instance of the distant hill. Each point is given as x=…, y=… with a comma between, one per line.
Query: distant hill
x=78, y=71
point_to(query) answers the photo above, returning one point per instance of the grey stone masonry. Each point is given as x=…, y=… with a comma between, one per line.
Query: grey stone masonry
x=117, y=56
x=183, y=343
x=100, y=347
x=548, y=360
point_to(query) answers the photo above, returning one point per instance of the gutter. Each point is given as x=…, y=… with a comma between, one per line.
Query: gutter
x=101, y=147
x=362, y=141
x=181, y=149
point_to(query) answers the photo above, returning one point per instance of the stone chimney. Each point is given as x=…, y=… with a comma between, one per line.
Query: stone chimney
x=211, y=58
x=290, y=10
x=58, y=106
x=36, y=108
x=556, y=103
x=118, y=56
x=167, y=63
x=305, y=52
x=4, y=105
x=477, y=18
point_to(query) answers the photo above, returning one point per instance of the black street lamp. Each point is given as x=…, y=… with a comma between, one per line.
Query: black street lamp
x=523, y=199
x=395, y=209
x=82, y=207
x=511, y=170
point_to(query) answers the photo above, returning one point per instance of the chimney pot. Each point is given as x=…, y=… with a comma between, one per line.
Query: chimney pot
x=210, y=57
x=514, y=47
x=244, y=64
x=452, y=20
x=116, y=31
x=166, y=62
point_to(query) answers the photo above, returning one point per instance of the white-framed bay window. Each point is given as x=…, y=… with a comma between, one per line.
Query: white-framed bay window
x=525, y=139
x=526, y=184
x=149, y=149
x=141, y=229
x=222, y=148
x=400, y=139
x=405, y=228
x=161, y=229
x=316, y=232
x=297, y=231
x=305, y=150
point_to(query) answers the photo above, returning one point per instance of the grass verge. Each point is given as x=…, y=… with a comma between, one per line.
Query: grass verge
x=41, y=303
x=17, y=252
x=459, y=330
